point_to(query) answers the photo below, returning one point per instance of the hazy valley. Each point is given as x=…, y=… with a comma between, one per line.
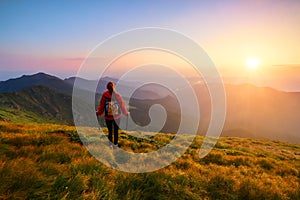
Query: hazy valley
x=252, y=112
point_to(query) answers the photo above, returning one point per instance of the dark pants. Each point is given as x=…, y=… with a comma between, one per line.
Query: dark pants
x=112, y=125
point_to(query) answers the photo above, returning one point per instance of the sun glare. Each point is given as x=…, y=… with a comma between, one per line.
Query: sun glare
x=252, y=63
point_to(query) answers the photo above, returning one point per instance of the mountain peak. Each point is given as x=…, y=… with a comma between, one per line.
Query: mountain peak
x=41, y=78
x=39, y=75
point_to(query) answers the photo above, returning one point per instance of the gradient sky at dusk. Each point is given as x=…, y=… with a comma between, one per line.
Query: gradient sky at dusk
x=55, y=36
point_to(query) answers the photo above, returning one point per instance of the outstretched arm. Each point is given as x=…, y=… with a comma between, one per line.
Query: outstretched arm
x=100, y=110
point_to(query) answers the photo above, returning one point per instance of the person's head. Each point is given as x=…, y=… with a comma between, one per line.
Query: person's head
x=110, y=87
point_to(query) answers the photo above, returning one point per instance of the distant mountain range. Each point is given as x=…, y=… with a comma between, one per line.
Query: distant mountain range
x=264, y=112
x=253, y=112
x=39, y=79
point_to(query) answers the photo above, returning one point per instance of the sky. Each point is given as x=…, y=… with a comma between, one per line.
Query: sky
x=56, y=36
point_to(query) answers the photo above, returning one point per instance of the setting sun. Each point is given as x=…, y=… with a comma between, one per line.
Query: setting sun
x=252, y=63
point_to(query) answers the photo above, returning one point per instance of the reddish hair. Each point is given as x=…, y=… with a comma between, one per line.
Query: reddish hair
x=110, y=87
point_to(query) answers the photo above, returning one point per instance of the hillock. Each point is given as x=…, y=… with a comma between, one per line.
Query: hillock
x=48, y=161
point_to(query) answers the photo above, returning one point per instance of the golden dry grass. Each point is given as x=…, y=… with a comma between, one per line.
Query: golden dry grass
x=47, y=161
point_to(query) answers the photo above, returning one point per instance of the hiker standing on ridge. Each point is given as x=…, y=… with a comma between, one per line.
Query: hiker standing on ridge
x=112, y=104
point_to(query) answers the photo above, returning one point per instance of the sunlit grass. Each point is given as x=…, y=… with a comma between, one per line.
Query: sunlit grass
x=23, y=116
x=48, y=161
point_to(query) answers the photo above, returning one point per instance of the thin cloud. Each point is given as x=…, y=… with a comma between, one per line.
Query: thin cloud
x=287, y=65
x=75, y=59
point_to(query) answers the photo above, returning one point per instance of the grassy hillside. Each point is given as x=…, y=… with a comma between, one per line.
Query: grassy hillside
x=8, y=114
x=47, y=161
x=42, y=102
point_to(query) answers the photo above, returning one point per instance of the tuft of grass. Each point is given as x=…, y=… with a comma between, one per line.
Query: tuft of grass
x=266, y=164
x=221, y=187
x=22, y=180
x=70, y=188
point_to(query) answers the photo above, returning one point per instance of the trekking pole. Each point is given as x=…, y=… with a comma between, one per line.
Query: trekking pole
x=127, y=122
x=98, y=122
